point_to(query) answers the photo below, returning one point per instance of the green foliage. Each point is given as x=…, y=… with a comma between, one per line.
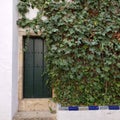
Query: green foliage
x=83, y=48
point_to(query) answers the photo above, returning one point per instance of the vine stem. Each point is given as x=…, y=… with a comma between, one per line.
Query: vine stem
x=106, y=86
x=86, y=3
x=98, y=4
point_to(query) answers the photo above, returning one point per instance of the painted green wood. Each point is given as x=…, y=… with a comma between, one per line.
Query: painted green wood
x=34, y=81
x=28, y=70
x=38, y=69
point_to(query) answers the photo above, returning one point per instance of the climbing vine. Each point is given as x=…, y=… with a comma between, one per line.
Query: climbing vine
x=83, y=48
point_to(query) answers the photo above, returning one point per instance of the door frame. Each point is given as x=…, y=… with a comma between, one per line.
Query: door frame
x=29, y=104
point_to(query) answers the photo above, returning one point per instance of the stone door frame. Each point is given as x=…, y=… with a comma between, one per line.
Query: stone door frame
x=29, y=104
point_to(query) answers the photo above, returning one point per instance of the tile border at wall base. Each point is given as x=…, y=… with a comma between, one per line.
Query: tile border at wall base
x=77, y=108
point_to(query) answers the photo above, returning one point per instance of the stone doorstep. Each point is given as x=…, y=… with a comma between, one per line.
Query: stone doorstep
x=35, y=115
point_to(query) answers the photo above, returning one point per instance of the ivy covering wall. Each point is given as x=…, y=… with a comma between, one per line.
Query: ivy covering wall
x=83, y=48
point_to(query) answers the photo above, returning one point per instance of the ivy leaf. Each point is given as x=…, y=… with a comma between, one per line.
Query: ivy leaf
x=118, y=65
x=106, y=69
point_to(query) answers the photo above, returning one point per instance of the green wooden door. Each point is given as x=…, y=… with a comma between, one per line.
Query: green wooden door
x=34, y=85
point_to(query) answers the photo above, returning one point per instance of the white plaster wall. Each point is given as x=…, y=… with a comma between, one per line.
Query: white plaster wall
x=6, y=67
x=15, y=60
x=89, y=115
x=32, y=13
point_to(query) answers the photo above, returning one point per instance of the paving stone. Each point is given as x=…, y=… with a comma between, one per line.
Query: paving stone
x=37, y=115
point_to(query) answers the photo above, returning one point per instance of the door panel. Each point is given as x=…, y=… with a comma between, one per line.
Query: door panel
x=38, y=92
x=28, y=70
x=34, y=81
